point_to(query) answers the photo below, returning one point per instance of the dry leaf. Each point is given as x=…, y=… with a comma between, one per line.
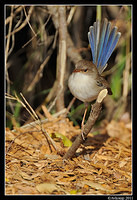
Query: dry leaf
x=48, y=188
x=119, y=130
x=96, y=186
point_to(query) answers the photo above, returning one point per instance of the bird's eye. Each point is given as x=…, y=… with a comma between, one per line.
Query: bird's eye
x=85, y=70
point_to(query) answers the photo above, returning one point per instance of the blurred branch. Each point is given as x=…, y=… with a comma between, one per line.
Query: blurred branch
x=7, y=54
x=61, y=60
x=127, y=69
x=37, y=33
x=72, y=52
x=8, y=36
x=122, y=103
x=38, y=75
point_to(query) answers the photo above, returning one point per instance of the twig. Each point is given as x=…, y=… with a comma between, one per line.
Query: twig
x=59, y=150
x=37, y=121
x=36, y=33
x=69, y=106
x=71, y=103
x=19, y=9
x=95, y=111
x=24, y=22
x=27, y=18
x=43, y=120
x=30, y=108
x=71, y=14
x=46, y=112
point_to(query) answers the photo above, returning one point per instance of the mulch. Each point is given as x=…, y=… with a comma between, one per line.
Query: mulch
x=102, y=165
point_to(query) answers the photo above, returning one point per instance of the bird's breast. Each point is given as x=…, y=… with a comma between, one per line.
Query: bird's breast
x=83, y=86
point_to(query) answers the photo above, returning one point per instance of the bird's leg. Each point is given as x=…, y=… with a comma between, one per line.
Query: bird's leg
x=82, y=123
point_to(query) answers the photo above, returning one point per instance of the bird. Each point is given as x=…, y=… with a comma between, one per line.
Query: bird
x=86, y=81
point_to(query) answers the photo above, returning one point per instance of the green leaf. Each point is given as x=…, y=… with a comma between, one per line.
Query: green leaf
x=116, y=82
x=65, y=140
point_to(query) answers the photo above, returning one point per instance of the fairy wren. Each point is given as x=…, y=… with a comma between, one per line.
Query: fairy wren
x=86, y=81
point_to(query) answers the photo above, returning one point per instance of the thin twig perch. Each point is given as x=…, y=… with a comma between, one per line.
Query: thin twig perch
x=94, y=113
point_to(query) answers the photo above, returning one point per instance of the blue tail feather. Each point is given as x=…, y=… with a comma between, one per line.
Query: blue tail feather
x=102, y=40
x=105, y=44
x=111, y=49
x=97, y=35
x=109, y=43
x=92, y=42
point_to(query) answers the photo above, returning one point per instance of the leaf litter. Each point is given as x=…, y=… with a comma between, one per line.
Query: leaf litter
x=102, y=165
